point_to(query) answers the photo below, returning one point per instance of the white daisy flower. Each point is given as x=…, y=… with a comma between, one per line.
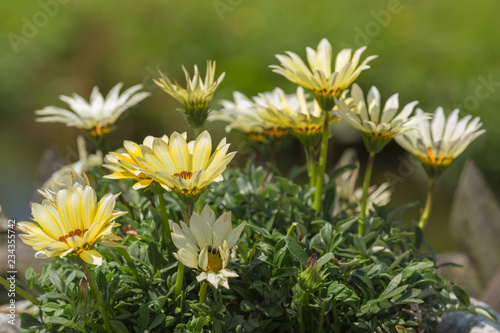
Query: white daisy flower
x=99, y=114
x=378, y=126
x=436, y=144
x=205, y=245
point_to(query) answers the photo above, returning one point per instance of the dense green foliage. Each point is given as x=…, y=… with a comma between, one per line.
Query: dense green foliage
x=379, y=282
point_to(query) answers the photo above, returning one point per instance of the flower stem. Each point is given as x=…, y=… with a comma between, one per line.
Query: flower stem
x=310, y=165
x=428, y=204
x=166, y=227
x=98, y=297
x=180, y=267
x=303, y=306
x=203, y=292
x=21, y=292
x=320, y=172
x=366, y=184
x=196, y=132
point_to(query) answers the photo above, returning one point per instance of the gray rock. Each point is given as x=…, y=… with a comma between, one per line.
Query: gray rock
x=460, y=322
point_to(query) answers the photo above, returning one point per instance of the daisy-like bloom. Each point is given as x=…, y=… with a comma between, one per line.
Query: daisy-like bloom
x=319, y=77
x=348, y=194
x=304, y=119
x=205, y=245
x=436, y=144
x=242, y=116
x=127, y=166
x=99, y=114
x=378, y=126
x=197, y=95
x=69, y=222
x=185, y=168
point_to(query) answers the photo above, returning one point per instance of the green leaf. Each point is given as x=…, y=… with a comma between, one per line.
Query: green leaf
x=246, y=306
x=327, y=235
x=325, y=259
x=297, y=251
x=285, y=271
x=118, y=326
x=392, y=285
x=143, y=316
x=56, y=281
x=461, y=295
x=397, y=261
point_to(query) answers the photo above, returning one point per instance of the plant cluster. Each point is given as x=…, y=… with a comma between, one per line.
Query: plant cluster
x=164, y=236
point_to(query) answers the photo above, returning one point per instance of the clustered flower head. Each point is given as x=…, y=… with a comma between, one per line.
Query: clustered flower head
x=197, y=95
x=436, y=144
x=319, y=78
x=99, y=114
x=378, y=126
x=70, y=222
x=205, y=244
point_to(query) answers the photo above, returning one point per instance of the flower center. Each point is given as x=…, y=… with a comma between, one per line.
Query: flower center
x=440, y=161
x=100, y=131
x=276, y=132
x=214, y=261
x=184, y=174
x=77, y=232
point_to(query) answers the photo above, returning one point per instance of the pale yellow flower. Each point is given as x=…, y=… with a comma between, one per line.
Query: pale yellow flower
x=205, y=245
x=378, y=126
x=69, y=222
x=436, y=144
x=127, y=166
x=185, y=168
x=197, y=95
x=304, y=119
x=99, y=114
x=324, y=83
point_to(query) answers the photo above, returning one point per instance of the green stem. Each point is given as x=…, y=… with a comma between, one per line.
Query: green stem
x=21, y=292
x=366, y=184
x=180, y=267
x=93, y=325
x=321, y=317
x=196, y=132
x=320, y=172
x=166, y=227
x=203, y=292
x=428, y=204
x=303, y=307
x=291, y=229
x=98, y=297
x=310, y=165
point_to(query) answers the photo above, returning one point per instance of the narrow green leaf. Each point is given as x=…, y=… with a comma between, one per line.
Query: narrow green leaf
x=325, y=259
x=143, y=316
x=397, y=261
x=461, y=294
x=296, y=250
x=327, y=235
x=393, y=284
x=285, y=271
x=56, y=281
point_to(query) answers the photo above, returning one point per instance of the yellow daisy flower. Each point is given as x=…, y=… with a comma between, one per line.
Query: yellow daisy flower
x=127, y=166
x=319, y=77
x=69, y=222
x=198, y=94
x=304, y=119
x=205, y=245
x=186, y=168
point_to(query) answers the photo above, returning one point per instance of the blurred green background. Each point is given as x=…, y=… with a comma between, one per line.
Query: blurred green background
x=442, y=53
